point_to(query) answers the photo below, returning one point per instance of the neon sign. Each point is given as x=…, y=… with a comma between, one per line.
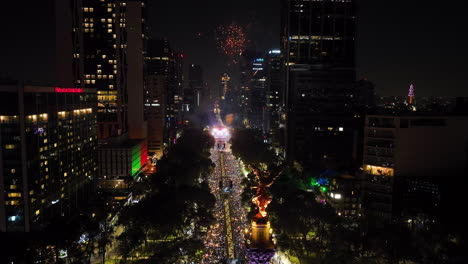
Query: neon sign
x=68, y=90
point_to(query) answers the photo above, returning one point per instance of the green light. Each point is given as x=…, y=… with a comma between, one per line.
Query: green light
x=323, y=189
x=136, y=161
x=313, y=182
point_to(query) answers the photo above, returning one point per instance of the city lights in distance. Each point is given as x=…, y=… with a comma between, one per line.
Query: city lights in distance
x=220, y=133
x=274, y=52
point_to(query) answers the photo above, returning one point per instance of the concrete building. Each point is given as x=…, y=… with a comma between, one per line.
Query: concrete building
x=48, y=153
x=155, y=112
x=410, y=147
x=164, y=95
x=120, y=159
x=345, y=196
x=318, y=45
x=275, y=106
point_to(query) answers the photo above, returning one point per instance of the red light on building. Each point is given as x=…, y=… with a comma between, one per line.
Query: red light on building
x=68, y=90
x=182, y=55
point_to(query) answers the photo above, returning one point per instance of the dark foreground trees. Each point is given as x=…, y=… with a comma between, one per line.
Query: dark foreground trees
x=168, y=225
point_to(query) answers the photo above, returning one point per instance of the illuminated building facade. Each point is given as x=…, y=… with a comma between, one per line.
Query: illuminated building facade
x=275, y=117
x=319, y=32
x=164, y=80
x=345, y=196
x=48, y=139
x=119, y=159
x=409, y=147
x=111, y=56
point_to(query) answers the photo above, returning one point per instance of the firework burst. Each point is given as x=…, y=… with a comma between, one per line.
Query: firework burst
x=231, y=40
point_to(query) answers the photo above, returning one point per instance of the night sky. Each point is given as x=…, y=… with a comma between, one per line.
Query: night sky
x=398, y=42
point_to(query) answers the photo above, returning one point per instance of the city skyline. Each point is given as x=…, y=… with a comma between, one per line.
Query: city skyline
x=392, y=53
x=285, y=131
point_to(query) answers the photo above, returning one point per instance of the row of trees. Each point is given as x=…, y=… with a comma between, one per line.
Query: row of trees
x=63, y=240
x=310, y=231
x=168, y=225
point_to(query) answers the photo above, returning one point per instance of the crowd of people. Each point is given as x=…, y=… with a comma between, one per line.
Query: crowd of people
x=229, y=176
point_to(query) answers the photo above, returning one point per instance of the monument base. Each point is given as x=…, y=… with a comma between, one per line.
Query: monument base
x=260, y=255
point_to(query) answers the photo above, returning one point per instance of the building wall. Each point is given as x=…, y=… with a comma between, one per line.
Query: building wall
x=135, y=70
x=319, y=31
x=122, y=158
x=432, y=146
x=49, y=140
x=320, y=119
x=400, y=148
x=417, y=145
x=155, y=112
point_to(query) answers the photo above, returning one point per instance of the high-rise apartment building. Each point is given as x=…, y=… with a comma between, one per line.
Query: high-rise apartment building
x=48, y=153
x=105, y=42
x=109, y=49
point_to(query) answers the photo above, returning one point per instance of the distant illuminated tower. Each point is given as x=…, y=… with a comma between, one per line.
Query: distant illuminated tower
x=224, y=80
x=411, y=94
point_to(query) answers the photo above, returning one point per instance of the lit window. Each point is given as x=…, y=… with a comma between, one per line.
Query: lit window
x=14, y=194
x=38, y=212
x=13, y=170
x=10, y=146
x=91, y=9
x=85, y=9
x=99, y=72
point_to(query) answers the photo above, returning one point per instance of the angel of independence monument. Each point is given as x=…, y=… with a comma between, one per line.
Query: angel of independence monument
x=259, y=245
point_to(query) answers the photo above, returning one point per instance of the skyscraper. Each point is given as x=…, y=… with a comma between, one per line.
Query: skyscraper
x=274, y=122
x=112, y=59
x=319, y=32
x=195, y=92
x=318, y=46
x=164, y=73
x=257, y=94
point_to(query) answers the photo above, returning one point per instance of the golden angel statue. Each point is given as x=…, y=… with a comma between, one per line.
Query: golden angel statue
x=262, y=197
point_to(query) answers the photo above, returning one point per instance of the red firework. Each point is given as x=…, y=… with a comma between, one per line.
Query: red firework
x=231, y=40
